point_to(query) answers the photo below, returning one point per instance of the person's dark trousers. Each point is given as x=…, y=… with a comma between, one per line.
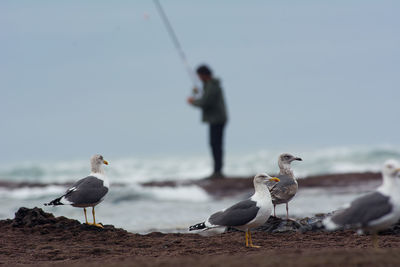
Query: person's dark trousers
x=216, y=142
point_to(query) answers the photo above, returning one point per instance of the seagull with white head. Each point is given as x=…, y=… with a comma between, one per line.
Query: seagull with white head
x=375, y=211
x=88, y=191
x=245, y=215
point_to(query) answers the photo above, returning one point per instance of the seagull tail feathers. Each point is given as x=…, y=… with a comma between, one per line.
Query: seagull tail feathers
x=55, y=202
x=198, y=226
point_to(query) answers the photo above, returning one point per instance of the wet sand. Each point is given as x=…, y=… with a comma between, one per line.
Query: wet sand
x=37, y=238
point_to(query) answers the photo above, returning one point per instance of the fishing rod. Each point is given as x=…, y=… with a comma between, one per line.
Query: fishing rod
x=176, y=42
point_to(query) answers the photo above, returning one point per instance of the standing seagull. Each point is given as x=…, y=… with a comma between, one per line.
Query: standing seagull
x=286, y=189
x=245, y=215
x=375, y=211
x=87, y=192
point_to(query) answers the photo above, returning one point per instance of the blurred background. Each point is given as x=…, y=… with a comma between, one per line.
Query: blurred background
x=318, y=79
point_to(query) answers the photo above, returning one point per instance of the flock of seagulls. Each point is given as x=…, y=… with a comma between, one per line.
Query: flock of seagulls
x=372, y=212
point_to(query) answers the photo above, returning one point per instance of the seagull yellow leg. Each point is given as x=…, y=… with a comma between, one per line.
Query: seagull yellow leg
x=375, y=242
x=84, y=211
x=251, y=242
x=94, y=220
x=247, y=239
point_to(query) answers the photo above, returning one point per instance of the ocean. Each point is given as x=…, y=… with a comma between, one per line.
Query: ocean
x=144, y=209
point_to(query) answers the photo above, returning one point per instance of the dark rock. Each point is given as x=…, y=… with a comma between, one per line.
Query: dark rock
x=275, y=225
x=394, y=230
x=278, y=225
x=32, y=217
x=36, y=220
x=313, y=224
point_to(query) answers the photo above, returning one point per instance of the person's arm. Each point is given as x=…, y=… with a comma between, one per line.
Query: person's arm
x=208, y=98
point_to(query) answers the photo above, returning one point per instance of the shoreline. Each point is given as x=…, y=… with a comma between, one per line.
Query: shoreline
x=231, y=186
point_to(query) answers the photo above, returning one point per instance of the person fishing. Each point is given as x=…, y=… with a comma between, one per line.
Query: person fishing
x=214, y=111
x=212, y=101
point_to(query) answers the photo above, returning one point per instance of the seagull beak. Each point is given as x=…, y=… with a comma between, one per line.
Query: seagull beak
x=299, y=159
x=105, y=162
x=274, y=179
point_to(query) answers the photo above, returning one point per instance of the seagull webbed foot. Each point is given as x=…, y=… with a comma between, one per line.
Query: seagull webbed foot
x=96, y=224
x=250, y=244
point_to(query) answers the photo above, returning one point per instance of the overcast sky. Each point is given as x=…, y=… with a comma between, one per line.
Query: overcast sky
x=80, y=77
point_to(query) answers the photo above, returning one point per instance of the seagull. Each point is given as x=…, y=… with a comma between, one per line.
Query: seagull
x=87, y=192
x=286, y=189
x=375, y=211
x=245, y=215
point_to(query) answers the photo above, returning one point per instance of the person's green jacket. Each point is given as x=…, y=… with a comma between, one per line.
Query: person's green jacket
x=212, y=103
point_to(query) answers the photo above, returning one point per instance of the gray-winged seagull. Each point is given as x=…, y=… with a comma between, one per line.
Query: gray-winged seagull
x=87, y=192
x=375, y=211
x=286, y=189
x=245, y=215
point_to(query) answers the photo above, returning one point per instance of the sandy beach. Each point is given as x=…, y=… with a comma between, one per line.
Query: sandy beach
x=37, y=238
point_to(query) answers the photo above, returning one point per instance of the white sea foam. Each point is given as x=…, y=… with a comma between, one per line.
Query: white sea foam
x=31, y=192
x=181, y=193
x=136, y=170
